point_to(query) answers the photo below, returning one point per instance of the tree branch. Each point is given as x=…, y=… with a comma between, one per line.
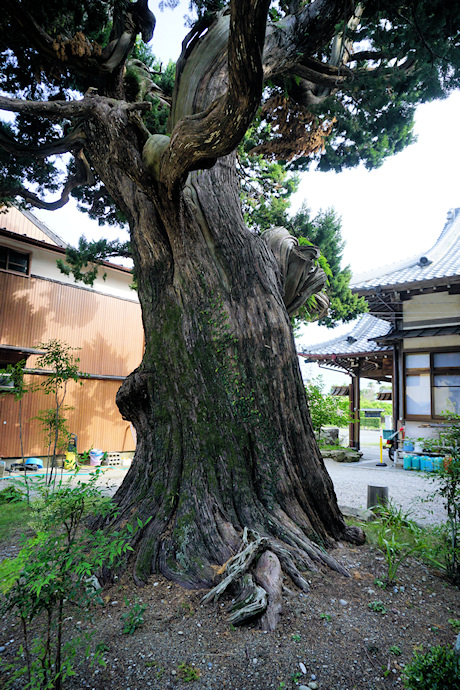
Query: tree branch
x=53, y=110
x=67, y=110
x=73, y=140
x=197, y=141
x=91, y=58
x=82, y=176
x=296, y=37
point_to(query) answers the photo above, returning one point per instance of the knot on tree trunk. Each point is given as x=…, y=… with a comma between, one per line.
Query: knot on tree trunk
x=301, y=273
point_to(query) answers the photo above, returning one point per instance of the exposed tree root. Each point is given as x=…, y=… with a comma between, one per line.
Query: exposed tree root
x=262, y=597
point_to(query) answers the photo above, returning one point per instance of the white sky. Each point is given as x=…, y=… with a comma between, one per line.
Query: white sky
x=387, y=214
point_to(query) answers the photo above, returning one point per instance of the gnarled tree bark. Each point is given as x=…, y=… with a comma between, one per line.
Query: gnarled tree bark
x=225, y=440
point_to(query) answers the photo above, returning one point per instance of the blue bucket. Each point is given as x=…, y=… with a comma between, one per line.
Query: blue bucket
x=95, y=457
x=34, y=461
x=408, y=445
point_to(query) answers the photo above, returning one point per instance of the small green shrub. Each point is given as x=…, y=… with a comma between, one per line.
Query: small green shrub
x=188, y=673
x=436, y=669
x=377, y=606
x=11, y=495
x=447, y=480
x=134, y=617
x=396, y=535
x=53, y=571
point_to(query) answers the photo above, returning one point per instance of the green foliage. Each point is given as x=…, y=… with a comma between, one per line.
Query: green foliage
x=324, y=231
x=447, y=481
x=394, y=649
x=11, y=495
x=296, y=637
x=325, y=409
x=134, y=617
x=61, y=366
x=397, y=536
x=437, y=669
x=54, y=570
x=370, y=422
x=377, y=607
x=188, y=673
x=266, y=187
x=83, y=262
x=13, y=519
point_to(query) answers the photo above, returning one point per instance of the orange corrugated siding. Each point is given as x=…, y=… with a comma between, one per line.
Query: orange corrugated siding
x=95, y=419
x=108, y=331
x=15, y=221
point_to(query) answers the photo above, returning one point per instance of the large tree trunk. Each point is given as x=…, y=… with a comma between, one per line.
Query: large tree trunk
x=224, y=436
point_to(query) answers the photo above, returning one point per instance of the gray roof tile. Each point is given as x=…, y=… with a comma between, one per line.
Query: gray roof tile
x=358, y=339
x=441, y=261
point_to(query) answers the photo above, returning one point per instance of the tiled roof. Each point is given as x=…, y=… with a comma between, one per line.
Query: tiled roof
x=357, y=340
x=441, y=261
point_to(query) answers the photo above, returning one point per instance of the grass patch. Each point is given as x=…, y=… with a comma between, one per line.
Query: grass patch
x=13, y=519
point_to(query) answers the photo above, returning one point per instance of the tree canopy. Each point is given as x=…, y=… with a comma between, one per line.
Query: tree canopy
x=344, y=96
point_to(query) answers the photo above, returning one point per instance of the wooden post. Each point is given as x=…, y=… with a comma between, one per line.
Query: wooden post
x=355, y=410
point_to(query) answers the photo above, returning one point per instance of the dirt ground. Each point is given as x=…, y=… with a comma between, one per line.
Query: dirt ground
x=346, y=634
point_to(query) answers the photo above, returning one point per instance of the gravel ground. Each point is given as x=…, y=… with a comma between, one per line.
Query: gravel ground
x=345, y=634
x=407, y=489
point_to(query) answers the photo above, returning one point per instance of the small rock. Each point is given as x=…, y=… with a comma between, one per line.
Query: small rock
x=343, y=602
x=2, y=649
x=180, y=632
x=303, y=668
x=313, y=685
x=173, y=673
x=313, y=677
x=113, y=603
x=304, y=687
x=254, y=661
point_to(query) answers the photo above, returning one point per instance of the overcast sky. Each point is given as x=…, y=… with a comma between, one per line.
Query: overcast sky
x=387, y=214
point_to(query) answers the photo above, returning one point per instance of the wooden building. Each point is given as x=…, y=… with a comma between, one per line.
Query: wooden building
x=38, y=303
x=411, y=335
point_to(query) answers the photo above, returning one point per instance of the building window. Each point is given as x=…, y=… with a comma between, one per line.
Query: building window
x=432, y=384
x=13, y=261
x=6, y=382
